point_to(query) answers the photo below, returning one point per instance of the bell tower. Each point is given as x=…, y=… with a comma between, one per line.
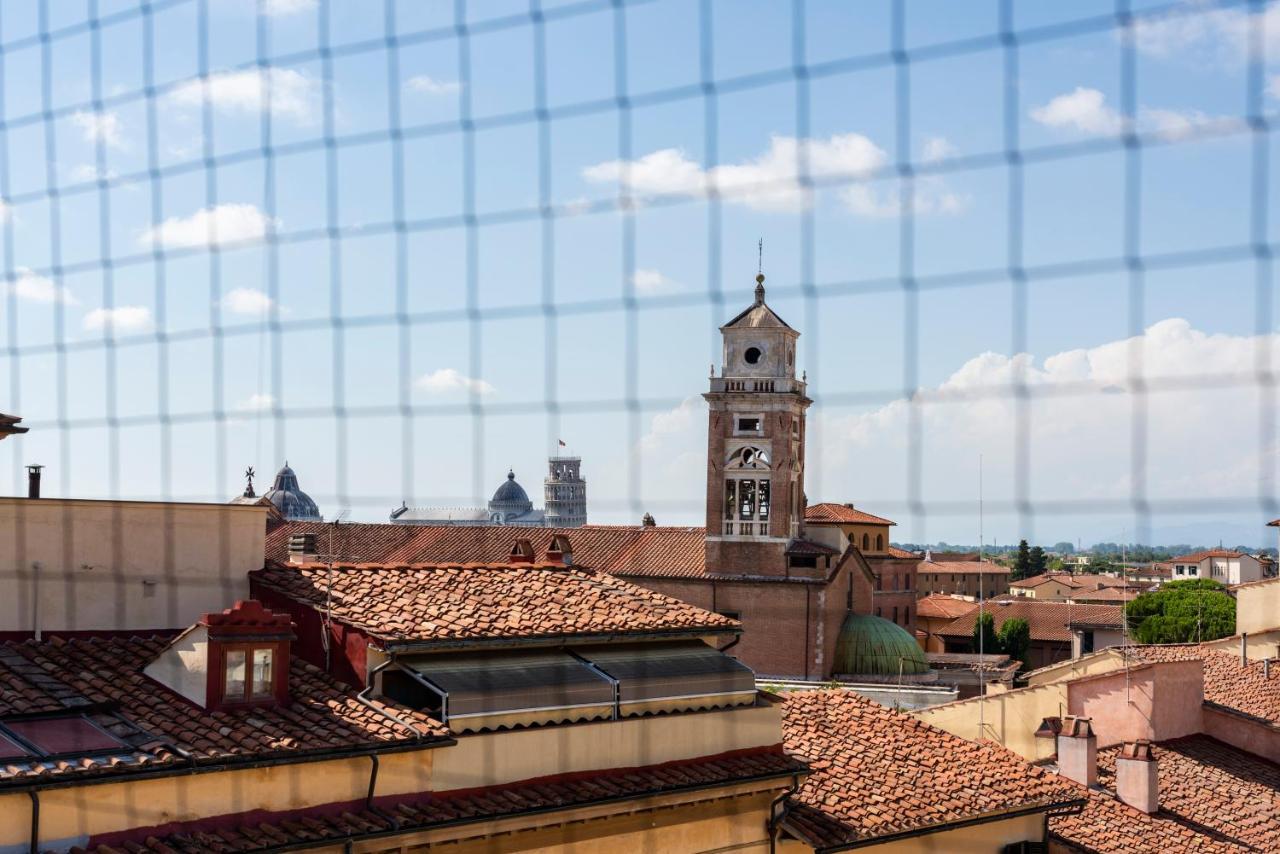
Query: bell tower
x=755, y=444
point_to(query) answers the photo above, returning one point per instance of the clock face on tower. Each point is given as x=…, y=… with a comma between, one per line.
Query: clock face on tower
x=752, y=355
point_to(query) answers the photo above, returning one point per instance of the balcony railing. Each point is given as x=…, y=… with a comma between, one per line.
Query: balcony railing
x=735, y=528
x=763, y=385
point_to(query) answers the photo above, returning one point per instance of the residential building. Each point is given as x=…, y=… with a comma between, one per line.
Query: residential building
x=1047, y=586
x=935, y=611
x=976, y=579
x=881, y=778
x=1054, y=627
x=564, y=492
x=1222, y=565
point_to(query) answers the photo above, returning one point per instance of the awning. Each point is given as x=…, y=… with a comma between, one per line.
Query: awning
x=652, y=671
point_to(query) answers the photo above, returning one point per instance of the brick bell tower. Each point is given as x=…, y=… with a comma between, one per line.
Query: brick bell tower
x=755, y=445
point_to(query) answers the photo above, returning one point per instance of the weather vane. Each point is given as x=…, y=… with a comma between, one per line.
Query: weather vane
x=760, y=256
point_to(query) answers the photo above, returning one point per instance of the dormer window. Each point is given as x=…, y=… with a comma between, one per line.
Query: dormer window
x=248, y=673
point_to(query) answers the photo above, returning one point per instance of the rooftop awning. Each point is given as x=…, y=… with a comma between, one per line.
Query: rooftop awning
x=651, y=671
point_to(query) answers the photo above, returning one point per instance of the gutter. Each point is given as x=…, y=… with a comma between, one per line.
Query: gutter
x=1076, y=804
x=394, y=646
x=776, y=818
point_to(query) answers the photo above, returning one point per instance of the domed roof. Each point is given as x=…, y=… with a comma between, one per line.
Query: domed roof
x=294, y=504
x=873, y=646
x=511, y=492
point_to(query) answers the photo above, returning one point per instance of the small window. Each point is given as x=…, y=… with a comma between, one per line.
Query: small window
x=879, y=542
x=248, y=674
x=866, y=542
x=877, y=612
x=748, y=425
x=262, y=661
x=804, y=562
x=72, y=736
x=895, y=613
x=233, y=687
x=752, y=355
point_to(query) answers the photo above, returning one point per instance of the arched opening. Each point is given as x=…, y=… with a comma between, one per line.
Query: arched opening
x=866, y=542
x=879, y=542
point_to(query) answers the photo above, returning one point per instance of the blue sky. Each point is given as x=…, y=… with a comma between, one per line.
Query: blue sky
x=191, y=339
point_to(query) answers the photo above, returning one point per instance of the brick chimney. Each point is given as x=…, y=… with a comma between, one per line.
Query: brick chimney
x=560, y=551
x=302, y=548
x=1137, y=780
x=1078, y=751
x=521, y=552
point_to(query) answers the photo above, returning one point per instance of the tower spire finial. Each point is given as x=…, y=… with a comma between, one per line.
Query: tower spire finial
x=760, y=272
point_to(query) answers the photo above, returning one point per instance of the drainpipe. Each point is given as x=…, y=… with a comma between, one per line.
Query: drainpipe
x=775, y=817
x=35, y=600
x=731, y=644
x=35, y=821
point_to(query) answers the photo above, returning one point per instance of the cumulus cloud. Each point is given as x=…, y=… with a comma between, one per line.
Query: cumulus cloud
x=104, y=127
x=123, y=318
x=215, y=226
x=649, y=281
x=938, y=148
x=28, y=285
x=445, y=380
x=283, y=8
x=247, y=301
x=1086, y=111
x=1203, y=32
x=256, y=403
x=1080, y=415
x=772, y=181
x=291, y=94
x=425, y=84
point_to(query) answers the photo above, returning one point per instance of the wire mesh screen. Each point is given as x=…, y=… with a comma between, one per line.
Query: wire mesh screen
x=408, y=247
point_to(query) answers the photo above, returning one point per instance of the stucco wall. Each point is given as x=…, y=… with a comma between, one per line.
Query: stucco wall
x=1249, y=734
x=1157, y=701
x=1011, y=717
x=1258, y=606
x=184, y=665
x=74, y=565
x=988, y=838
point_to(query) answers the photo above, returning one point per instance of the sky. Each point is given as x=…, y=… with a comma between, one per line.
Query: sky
x=195, y=281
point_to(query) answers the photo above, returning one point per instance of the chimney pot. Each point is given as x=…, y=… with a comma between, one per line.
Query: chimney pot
x=521, y=552
x=302, y=547
x=33, y=480
x=1137, y=776
x=1078, y=750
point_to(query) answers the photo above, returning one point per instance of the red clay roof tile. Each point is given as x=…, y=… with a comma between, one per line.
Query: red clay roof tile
x=1048, y=620
x=829, y=512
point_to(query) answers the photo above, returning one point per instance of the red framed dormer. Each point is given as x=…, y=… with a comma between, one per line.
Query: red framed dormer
x=248, y=658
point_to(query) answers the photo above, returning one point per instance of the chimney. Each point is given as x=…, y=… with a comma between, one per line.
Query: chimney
x=33, y=481
x=302, y=548
x=1137, y=780
x=521, y=552
x=560, y=551
x=1078, y=751
x=647, y=521
x=1047, y=737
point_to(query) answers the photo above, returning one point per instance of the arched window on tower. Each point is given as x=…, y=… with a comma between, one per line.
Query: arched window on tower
x=879, y=542
x=866, y=542
x=748, y=458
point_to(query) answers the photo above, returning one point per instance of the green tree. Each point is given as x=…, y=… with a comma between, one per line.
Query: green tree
x=1064, y=548
x=1037, y=559
x=1187, y=611
x=984, y=630
x=1015, y=639
x=1101, y=563
x=1022, y=563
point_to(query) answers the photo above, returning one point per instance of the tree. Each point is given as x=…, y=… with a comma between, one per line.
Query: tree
x=1015, y=639
x=1037, y=560
x=984, y=634
x=1064, y=548
x=1187, y=611
x=1100, y=563
x=1021, y=564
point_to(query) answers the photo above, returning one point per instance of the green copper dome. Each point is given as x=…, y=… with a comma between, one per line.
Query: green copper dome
x=872, y=646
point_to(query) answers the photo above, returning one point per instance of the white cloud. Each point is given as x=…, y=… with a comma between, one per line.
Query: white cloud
x=445, y=380
x=1202, y=32
x=1200, y=442
x=293, y=95
x=256, y=403
x=281, y=8
x=29, y=285
x=102, y=127
x=249, y=301
x=86, y=172
x=649, y=281
x=223, y=224
x=1086, y=111
x=426, y=85
x=124, y=318
x=938, y=148
x=1083, y=110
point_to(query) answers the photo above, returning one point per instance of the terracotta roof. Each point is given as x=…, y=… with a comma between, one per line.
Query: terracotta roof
x=963, y=567
x=1044, y=578
x=894, y=551
x=940, y=605
x=340, y=822
x=828, y=512
x=1227, y=682
x=876, y=773
x=1048, y=620
x=1213, y=798
x=951, y=557
x=103, y=680
x=425, y=603
x=616, y=549
x=1106, y=594
x=1196, y=557
x=809, y=547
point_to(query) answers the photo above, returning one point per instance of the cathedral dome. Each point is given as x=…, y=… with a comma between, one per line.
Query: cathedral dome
x=294, y=504
x=511, y=492
x=873, y=646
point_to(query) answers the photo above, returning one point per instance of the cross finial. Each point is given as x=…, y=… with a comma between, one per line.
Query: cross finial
x=248, y=489
x=760, y=256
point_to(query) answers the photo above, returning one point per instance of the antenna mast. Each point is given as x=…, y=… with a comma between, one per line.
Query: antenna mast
x=982, y=613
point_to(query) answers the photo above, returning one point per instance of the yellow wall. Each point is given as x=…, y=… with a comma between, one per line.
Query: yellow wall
x=1258, y=607
x=1011, y=717
x=110, y=565
x=991, y=837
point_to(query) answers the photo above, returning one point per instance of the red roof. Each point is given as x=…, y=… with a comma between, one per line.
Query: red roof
x=105, y=677
x=1047, y=620
x=1196, y=557
x=943, y=606
x=1044, y=578
x=894, y=551
x=963, y=567
x=425, y=603
x=339, y=823
x=1227, y=682
x=1213, y=798
x=828, y=512
x=876, y=772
